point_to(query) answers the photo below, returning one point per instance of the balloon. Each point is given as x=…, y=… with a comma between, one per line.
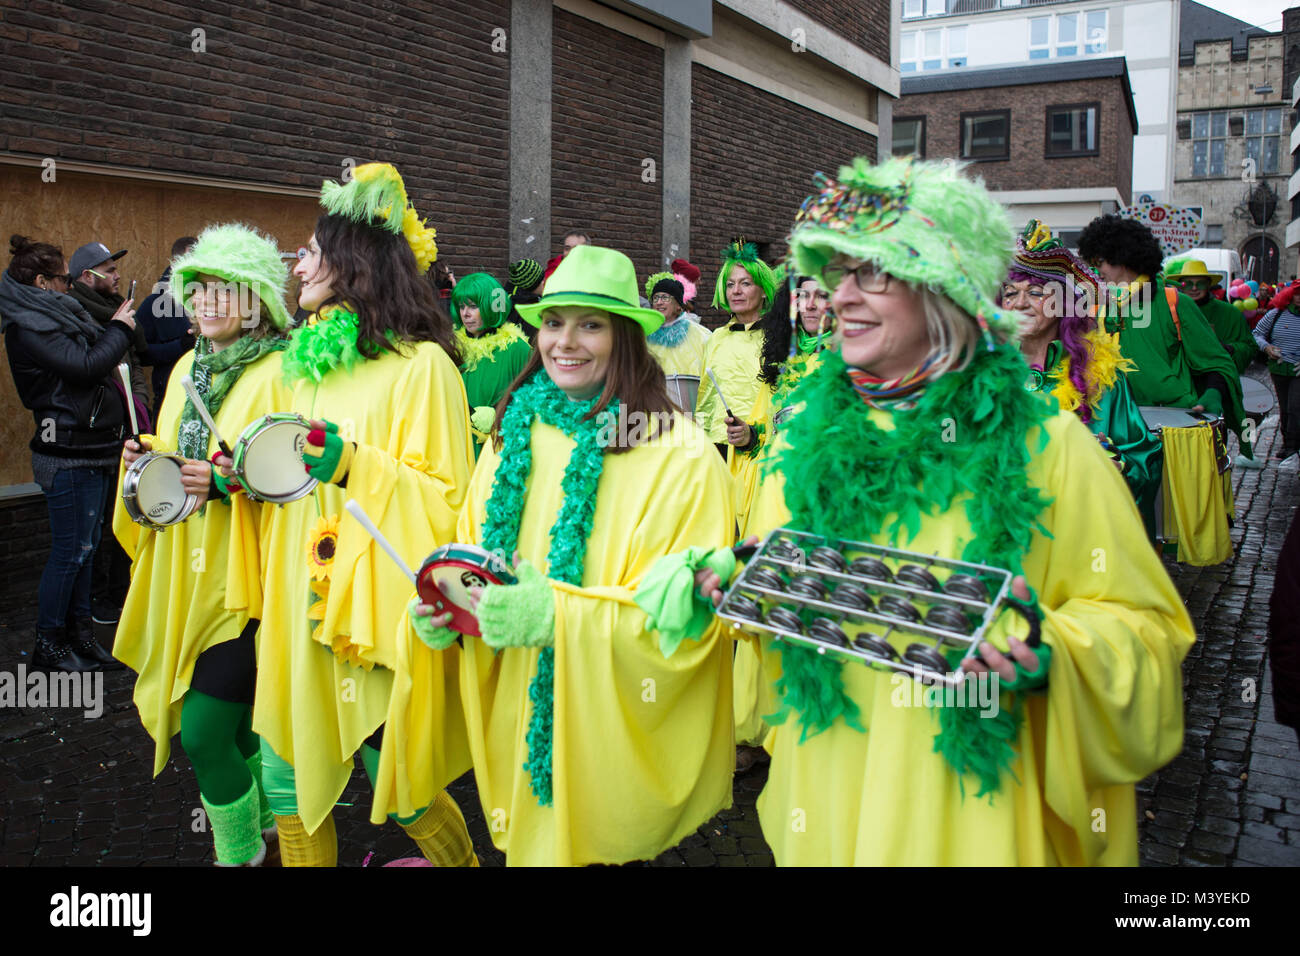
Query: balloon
x=1250, y=313
x=1250, y=304
x=1254, y=286
x=1239, y=304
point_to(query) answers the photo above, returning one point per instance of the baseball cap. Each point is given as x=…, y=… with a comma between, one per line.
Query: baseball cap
x=89, y=256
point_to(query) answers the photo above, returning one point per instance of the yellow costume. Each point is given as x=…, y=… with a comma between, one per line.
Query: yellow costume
x=1111, y=714
x=642, y=748
x=687, y=357
x=408, y=416
x=733, y=355
x=190, y=588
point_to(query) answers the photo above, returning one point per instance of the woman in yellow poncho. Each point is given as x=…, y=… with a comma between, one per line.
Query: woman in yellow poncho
x=919, y=434
x=195, y=659
x=595, y=739
x=375, y=371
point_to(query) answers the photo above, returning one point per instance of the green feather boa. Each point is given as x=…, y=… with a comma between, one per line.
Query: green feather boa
x=475, y=349
x=541, y=400
x=317, y=349
x=897, y=479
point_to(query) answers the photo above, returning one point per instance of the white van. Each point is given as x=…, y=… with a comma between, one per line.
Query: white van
x=1225, y=263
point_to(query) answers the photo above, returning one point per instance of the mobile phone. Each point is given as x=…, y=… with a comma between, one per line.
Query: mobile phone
x=131, y=291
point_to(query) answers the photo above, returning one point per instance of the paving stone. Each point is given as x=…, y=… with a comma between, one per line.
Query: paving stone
x=1267, y=853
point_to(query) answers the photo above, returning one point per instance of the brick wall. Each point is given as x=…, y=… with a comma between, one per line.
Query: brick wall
x=1027, y=167
x=606, y=120
x=863, y=22
x=283, y=94
x=752, y=159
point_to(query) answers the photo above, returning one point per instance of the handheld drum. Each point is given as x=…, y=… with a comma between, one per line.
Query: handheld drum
x=447, y=575
x=268, y=458
x=152, y=491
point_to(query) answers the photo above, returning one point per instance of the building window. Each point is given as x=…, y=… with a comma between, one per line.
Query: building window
x=912, y=8
x=1209, y=132
x=936, y=8
x=1040, y=29
x=1072, y=130
x=909, y=136
x=1095, y=38
x=986, y=135
x=1214, y=235
x=1263, y=142
x=1068, y=34
x=931, y=49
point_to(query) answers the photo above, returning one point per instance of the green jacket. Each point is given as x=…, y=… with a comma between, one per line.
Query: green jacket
x=491, y=362
x=1232, y=330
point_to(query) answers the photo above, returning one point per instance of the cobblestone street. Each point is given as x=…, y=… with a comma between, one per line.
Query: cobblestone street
x=78, y=791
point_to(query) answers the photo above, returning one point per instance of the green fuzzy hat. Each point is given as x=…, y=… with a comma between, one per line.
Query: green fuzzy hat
x=653, y=280
x=486, y=293
x=922, y=222
x=240, y=254
x=745, y=254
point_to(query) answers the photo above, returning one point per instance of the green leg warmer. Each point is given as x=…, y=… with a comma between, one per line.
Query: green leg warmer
x=236, y=829
x=264, y=805
x=370, y=758
x=209, y=728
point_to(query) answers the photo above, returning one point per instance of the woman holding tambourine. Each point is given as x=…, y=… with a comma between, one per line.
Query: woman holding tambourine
x=918, y=433
x=195, y=658
x=595, y=738
x=374, y=372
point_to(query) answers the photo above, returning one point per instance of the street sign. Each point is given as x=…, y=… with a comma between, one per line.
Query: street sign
x=1177, y=228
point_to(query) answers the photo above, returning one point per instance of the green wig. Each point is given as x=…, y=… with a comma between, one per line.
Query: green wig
x=486, y=293
x=241, y=255
x=745, y=254
x=922, y=222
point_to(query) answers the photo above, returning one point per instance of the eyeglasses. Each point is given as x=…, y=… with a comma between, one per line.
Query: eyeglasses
x=868, y=276
x=1195, y=283
x=661, y=298
x=64, y=277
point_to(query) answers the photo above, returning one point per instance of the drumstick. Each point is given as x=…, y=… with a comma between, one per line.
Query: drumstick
x=718, y=388
x=125, y=371
x=196, y=400
x=359, y=513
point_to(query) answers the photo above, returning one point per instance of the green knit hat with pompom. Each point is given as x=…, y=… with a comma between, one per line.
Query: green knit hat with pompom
x=923, y=222
x=238, y=254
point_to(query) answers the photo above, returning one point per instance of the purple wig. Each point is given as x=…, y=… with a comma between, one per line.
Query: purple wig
x=1072, y=328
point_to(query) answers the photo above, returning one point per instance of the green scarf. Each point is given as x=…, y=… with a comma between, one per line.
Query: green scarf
x=215, y=374
x=540, y=399
x=897, y=478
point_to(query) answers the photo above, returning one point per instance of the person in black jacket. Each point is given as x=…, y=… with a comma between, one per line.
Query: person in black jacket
x=166, y=326
x=62, y=361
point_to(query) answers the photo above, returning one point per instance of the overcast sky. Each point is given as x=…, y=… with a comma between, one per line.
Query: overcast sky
x=1260, y=13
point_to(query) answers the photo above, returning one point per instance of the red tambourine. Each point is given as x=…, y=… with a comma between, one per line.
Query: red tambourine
x=447, y=575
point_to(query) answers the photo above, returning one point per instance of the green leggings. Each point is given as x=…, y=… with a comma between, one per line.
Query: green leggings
x=218, y=737
x=278, y=781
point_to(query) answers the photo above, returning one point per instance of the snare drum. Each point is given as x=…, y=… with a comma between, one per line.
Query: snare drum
x=152, y=492
x=447, y=575
x=684, y=390
x=1204, y=480
x=268, y=458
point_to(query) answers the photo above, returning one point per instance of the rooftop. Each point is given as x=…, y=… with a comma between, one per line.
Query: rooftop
x=1198, y=22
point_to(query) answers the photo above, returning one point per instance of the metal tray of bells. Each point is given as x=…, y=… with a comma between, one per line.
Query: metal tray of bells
x=809, y=589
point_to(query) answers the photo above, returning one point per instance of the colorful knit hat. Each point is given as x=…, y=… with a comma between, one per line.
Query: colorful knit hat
x=525, y=275
x=1042, y=257
x=486, y=293
x=922, y=222
x=376, y=196
x=238, y=254
x=744, y=254
x=672, y=287
x=652, y=280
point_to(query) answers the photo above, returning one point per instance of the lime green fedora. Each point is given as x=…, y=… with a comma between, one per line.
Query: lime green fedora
x=596, y=277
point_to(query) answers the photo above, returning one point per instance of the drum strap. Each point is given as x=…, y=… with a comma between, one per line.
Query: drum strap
x=1171, y=296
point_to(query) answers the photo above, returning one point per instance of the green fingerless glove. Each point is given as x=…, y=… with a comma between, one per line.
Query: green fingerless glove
x=483, y=418
x=1026, y=680
x=437, y=638
x=518, y=615
x=326, y=456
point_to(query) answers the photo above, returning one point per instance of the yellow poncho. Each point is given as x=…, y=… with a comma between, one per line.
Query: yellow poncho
x=642, y=746
x=408, y=416
x=184, y=579
x=1112, y=713
x=734, y=358
x=686, y=358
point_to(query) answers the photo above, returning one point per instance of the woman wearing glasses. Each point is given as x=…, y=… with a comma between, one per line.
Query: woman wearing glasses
x=62, y=362
x=918, y=433
x=1076, y=362
x=1196, y=282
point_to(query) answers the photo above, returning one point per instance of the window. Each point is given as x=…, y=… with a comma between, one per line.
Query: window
x=909, y=136
x=1214, y=235
x=911, y=8
x=986, y=135
x=934, y=8
x=956, y=37
x=1263, y=144
x=925, y=49
x=1039, y=29
x=1208, y=141
x=1067, y=34
x=907, y=52
x=1072, y=130
x=1096, y=36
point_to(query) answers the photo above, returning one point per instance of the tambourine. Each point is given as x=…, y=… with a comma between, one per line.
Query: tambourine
x=267, y=458
x=153, y=492
x=447, y=575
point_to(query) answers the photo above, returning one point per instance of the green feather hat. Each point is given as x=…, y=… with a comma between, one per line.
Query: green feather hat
x=238, y=254
x=376, y=196
x=922, y=222
x=744, y=254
